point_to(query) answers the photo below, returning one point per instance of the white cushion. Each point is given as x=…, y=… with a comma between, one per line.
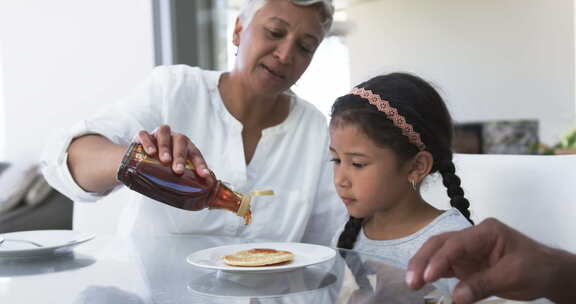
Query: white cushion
x=15, y=182
x=534, y=194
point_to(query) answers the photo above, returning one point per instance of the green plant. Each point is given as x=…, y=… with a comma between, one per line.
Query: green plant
x=568, y=141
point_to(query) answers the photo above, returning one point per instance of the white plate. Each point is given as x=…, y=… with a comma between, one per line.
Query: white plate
x=53, y=242
x=304, y=255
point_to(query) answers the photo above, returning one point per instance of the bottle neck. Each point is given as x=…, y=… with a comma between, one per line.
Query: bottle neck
x=226, y=199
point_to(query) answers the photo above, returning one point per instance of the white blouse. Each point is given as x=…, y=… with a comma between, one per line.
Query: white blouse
x=291, y=158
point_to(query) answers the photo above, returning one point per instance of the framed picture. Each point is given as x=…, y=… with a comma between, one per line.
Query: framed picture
x=496, y=137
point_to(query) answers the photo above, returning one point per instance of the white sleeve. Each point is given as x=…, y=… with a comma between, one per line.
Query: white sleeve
x=329, y=213
x=141, y=110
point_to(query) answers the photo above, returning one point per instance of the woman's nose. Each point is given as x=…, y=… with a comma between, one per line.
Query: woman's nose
x=284, y=52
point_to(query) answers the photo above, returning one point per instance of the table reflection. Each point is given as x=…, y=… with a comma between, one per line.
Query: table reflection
x=349, y=278
x=142, y=270
x=14, y=267
x=228, y=284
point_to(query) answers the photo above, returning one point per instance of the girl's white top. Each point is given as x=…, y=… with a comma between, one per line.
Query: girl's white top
x=401, y=250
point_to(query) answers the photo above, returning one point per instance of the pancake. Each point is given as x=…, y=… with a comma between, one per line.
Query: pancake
x=258, y=257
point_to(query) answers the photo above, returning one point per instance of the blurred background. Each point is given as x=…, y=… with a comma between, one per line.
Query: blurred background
x=493, y=60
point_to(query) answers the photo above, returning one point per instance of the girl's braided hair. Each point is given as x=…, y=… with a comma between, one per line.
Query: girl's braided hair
x=422, y=107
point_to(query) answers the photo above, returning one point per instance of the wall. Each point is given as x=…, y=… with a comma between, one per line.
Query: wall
x=2, y=118
x=64, y=59
x=492, y=59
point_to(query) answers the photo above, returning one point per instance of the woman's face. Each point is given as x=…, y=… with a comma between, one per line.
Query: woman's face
x=277, y=45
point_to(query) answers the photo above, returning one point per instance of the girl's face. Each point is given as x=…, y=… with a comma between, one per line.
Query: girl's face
x=277, y=46
x=368, y=178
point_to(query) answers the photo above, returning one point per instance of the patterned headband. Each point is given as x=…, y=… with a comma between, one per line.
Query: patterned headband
x=397, y=119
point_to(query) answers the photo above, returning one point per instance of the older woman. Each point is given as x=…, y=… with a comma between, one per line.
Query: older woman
x=252, y=131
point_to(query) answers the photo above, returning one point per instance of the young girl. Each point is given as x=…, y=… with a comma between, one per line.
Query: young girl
x=387, y=135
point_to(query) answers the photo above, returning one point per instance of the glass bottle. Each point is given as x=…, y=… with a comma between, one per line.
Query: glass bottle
x=145, y=174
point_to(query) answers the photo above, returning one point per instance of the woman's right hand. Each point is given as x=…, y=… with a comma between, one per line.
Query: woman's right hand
x=173, y=148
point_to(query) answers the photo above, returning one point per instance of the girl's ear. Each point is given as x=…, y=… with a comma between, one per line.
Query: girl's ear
x=236, y=33
x=421, y=165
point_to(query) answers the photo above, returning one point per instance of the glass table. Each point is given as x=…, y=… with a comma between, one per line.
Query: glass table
x=111, y=269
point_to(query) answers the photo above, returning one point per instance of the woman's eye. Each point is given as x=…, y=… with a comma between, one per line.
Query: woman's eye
x=305, y=49
x=358, y=165
x=274, y=33
x=336, y=161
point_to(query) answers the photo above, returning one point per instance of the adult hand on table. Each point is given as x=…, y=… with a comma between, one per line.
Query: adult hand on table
x=494, y=259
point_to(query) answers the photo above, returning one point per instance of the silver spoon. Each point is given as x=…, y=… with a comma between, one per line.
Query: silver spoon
x=2, y=240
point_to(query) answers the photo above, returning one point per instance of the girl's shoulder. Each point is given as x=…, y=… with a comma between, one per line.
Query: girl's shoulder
x=449, y=220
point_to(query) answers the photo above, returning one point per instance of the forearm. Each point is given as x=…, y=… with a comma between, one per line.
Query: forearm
x=93, y=161
x=563, y=289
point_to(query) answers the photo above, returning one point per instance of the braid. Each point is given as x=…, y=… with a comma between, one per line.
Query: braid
x=452, y=183
x=346, y=240
x=350, y=234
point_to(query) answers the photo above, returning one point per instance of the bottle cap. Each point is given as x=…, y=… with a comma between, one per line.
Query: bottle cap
x=244, y=209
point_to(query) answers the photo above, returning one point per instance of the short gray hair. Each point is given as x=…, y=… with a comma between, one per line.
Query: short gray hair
x=250, y=7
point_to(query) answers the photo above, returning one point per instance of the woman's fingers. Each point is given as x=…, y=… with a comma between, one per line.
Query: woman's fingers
x=174, y=148
x=419, y=265
x=479, y=285
x=179, y=152
x=182, y=150
x=455, y=254
x=198, y=160
x=164, y=139
x=148, y=142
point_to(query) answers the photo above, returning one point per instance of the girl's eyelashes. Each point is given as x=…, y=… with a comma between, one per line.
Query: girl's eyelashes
x=338, y=161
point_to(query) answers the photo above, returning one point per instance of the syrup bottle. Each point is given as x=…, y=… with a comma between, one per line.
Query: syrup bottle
x=147, y=175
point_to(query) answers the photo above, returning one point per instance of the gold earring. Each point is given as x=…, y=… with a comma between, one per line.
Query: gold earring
x=413, y=183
